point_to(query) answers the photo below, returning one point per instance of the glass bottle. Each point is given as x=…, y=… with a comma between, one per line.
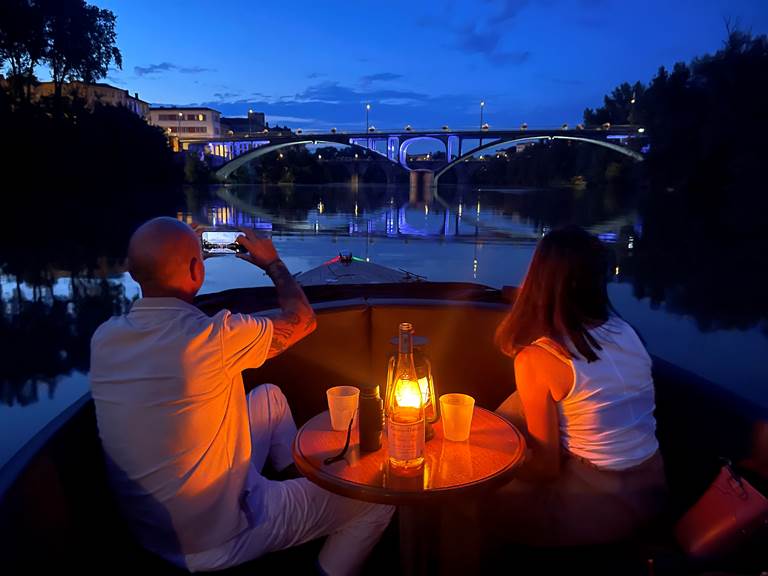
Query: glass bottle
x=405, y=409
x=424, y=376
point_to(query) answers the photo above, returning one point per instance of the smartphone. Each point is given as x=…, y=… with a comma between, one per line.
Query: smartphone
x=216, y=242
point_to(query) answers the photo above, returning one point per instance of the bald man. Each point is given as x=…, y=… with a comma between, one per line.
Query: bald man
x=185, y=446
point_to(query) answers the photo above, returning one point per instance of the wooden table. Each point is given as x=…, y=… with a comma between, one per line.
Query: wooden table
x=451, y=469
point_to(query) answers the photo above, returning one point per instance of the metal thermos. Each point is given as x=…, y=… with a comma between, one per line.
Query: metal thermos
x=371, y=418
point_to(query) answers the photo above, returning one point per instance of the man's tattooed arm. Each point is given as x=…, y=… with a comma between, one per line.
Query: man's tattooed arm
x=296, y=318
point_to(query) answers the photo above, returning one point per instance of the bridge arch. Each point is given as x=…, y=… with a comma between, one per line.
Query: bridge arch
x=403, y=153
x=610, y=145
x=233, y=165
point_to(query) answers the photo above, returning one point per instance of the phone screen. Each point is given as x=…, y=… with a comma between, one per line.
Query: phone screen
x=221, y=242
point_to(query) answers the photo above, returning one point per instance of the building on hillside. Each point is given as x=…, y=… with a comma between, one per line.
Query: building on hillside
x=254, y=123
x=93, y=94
x=187, y=123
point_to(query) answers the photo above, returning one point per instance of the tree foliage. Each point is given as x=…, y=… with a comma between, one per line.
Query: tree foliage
x=81, y=41
x=22, y=41
x=75, y=40
x=704, y=214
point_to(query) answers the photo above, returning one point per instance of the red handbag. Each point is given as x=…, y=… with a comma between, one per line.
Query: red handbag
x=726, y=515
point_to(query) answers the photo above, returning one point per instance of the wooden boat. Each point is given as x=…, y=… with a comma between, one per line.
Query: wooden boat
x=348, y=269
x=56, y=510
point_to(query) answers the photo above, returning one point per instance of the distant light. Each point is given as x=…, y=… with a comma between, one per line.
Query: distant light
x=641, y=130
x=482, y=103
x=320, y=156
x=367, y=106
x=355, y=154
x=632, y=101
x=281, y=154
x=616, y=272
x=320, y=207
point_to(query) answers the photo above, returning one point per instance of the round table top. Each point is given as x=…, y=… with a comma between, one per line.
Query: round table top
x=494, y=449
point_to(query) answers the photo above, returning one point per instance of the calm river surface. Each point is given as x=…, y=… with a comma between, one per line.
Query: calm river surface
x=472, y=235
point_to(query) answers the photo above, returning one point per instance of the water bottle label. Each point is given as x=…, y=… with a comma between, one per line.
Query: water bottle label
x=406, y=441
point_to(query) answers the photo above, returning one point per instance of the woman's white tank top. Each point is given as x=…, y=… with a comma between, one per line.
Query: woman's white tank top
x=607, y=417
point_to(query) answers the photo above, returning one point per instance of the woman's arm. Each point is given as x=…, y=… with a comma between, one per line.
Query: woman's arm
x=539, y=375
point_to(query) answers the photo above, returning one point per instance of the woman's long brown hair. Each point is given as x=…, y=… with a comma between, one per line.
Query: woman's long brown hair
x=563, y=294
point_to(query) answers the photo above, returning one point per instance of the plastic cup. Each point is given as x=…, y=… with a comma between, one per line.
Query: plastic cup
x=456, y=413
x=342, y=403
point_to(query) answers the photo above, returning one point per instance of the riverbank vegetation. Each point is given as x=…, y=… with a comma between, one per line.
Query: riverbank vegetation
x=703, y=241
x=79, y=177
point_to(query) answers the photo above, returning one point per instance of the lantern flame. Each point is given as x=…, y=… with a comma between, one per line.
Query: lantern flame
x=409, y=394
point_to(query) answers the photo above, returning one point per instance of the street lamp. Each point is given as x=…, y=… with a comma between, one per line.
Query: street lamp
x=178, y=130
x=367, y=109
x=250, y=128
x=482, y=107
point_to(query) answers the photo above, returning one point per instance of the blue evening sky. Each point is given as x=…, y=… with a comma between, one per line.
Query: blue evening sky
x=314, y=64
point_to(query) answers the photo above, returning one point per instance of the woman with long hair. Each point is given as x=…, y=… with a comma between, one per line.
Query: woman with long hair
x=585, y=401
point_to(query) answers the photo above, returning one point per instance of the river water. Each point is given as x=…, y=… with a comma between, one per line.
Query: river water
x=464, y=234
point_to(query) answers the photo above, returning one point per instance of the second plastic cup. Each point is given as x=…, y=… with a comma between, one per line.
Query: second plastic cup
x=342, y=403
x=456, y=413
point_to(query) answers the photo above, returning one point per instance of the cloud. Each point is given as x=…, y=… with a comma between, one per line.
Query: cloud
x=501, y=58
x=292, y=119
x=509, y=9
x=114, y=80
x=566, y=81
x=484, y=34
x=315, y=75
x=153, y=69
x=380, y=77
x=328, y=104
x=195, y=70
x=225, y=95
x=335, y=93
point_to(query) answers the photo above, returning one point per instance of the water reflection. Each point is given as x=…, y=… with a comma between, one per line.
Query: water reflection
x=47, y=334
x=665, y=257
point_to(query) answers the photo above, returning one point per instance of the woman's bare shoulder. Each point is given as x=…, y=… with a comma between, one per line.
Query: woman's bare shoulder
x=537, y=364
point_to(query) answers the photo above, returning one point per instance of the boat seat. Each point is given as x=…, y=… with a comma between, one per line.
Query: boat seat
x=351, y=347
x=59, y=511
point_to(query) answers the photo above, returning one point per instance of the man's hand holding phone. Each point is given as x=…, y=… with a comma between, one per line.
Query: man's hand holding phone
x=260, y=250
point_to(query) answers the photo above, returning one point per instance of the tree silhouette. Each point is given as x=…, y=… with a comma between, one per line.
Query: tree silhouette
x=81, y=41
x=22, y=42
x=704, y=213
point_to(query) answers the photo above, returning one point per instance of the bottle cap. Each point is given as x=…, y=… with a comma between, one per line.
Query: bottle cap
x=369, y=391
